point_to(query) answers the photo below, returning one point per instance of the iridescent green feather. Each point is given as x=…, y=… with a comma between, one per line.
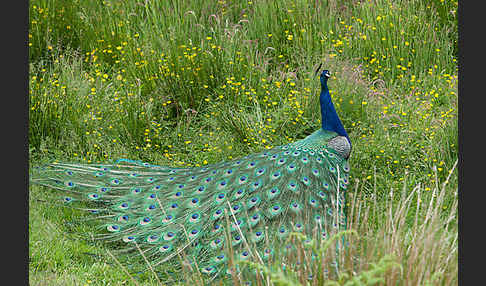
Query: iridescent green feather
x=194, y=211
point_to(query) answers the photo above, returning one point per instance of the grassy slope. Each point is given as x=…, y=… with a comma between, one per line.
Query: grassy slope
x=196, y=82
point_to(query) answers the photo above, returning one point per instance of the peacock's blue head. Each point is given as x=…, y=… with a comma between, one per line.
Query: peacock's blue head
x=325, y=74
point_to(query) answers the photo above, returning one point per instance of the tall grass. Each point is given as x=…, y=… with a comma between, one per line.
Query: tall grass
x=188, y=83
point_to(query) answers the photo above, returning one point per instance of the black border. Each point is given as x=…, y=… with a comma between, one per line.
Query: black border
x=470, y=142
x=15, y=201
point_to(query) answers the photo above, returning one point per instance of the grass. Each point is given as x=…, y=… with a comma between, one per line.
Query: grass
x=188, y=83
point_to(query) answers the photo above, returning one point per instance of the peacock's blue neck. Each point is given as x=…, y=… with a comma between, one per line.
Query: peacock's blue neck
x=330, y=120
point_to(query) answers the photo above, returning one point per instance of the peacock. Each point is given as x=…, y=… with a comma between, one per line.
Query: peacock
x=246, y=205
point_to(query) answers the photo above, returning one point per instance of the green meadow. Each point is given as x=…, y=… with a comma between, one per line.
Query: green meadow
x=190, y=83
